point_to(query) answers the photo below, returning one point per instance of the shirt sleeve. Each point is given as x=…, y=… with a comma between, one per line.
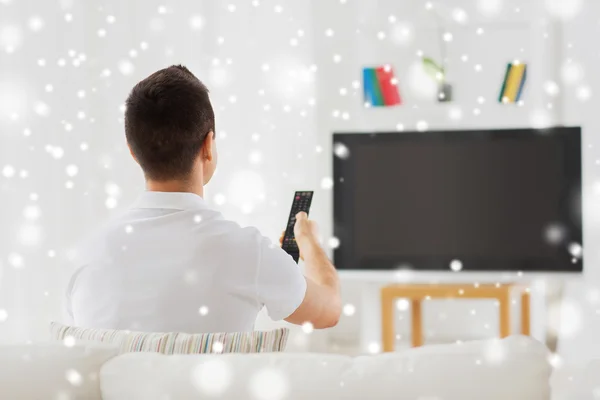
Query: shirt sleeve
x=280, y=284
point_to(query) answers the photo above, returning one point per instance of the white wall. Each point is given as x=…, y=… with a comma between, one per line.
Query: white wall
x=276, y=89
x=579, y=52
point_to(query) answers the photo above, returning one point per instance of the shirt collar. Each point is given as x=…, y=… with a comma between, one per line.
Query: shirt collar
x=170, y=200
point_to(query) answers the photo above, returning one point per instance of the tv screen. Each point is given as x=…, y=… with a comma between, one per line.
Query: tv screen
x=493, y=200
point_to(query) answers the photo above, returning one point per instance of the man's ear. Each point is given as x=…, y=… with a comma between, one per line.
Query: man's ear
x=131, y=152
x=207, y=146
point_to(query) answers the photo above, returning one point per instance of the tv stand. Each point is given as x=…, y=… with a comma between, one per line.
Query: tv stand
x=417, y=293
x=546, y=289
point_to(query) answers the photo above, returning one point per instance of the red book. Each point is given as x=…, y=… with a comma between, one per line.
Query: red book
x=389, y=88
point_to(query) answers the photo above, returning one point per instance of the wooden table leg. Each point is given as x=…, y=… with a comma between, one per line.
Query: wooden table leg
x=387, y=322
x=526, y=313
x=417, y=323
x=504, y=300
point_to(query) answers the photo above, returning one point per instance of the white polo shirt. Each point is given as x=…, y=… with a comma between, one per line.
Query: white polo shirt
x=172, y=264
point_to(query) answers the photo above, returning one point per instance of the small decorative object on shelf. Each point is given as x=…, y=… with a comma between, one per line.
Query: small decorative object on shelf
x=438, y=73
x=514, y=81
x=442, y=15
x=380, y=87
x=445, y=92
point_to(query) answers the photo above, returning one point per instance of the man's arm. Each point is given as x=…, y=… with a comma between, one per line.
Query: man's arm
x=322, y=304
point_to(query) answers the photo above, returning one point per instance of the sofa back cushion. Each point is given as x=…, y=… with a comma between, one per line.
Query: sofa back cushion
x=515, y=368
x=52, y=370
x=177, y=343
x=276, y=376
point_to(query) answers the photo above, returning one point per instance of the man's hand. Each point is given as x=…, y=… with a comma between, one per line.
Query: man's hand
x=281, y=243
x=305, y=231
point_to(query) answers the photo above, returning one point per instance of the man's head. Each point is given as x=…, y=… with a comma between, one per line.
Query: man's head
x=170, y=125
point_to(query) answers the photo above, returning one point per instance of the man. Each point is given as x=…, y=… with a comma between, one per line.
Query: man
x=171, y=263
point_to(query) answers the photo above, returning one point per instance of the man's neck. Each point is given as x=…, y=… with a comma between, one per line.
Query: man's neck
x=176, y=186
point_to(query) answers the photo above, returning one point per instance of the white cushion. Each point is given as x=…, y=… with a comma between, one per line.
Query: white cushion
x=52, y=371
x=515, y=368
x=576, y=382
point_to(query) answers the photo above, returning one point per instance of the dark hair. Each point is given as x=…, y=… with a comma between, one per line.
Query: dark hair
x=167, y=118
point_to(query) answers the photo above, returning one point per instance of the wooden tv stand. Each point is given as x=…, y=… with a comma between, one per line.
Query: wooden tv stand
x=416, y=293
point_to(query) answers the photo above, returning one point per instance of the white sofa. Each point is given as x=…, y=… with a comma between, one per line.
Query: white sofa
x=516, y=368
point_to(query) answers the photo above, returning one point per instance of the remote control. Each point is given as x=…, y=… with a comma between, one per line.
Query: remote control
x=301, y=202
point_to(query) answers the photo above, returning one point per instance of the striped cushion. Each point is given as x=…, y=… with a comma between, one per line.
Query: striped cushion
x=177, y=343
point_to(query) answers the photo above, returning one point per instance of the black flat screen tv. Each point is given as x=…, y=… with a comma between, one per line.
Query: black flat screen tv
x=478, y=200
